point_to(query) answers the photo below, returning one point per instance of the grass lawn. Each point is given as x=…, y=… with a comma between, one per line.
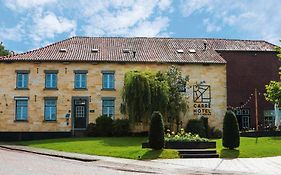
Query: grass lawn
x=265, y=147
x=130, y=147
x=125, y=147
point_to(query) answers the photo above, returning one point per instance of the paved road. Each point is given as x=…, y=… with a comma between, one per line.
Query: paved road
x=14, y=162
x=21, y=163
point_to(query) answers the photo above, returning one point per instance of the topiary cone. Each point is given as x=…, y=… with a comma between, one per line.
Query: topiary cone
x=231, y=137
x=156, y=132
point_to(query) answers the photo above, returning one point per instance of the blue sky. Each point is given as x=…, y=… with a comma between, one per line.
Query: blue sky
x=30, y=24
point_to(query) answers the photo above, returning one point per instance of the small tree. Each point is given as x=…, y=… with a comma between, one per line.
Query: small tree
x=177, y=99
x=3, y=51
x=156, y=132
x=231, y=138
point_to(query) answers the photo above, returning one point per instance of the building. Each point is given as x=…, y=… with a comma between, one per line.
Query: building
x=58, y=89
x=250, y=66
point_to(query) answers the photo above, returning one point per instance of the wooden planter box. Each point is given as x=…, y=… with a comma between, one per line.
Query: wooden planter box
x=185, y=145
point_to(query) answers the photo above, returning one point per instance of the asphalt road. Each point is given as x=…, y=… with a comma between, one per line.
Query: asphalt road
x=14, y=162
x=21, y=163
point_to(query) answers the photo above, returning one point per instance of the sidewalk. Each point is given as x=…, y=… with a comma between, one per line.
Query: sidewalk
x=262, y=166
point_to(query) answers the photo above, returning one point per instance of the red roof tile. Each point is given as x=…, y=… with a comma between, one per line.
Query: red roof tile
x=110, y=49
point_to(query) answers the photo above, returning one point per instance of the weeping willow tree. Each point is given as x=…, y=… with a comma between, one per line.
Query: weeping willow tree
x=143, y=93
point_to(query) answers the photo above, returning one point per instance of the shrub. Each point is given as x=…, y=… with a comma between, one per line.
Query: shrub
x=206, y=125
x=214, y=133
x=196, y=126
x=231, y=138
x=121, y=127
x=104, y=126
x=156, y=132
x=91, y=129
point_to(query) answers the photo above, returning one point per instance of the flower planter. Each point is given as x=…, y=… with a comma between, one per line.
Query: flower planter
x=185, y=145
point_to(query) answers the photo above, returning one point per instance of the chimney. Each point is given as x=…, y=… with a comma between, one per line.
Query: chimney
x=205, y=45
x=134, y=54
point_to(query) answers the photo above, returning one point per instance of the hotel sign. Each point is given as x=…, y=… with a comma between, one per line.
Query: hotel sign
x=202, y=100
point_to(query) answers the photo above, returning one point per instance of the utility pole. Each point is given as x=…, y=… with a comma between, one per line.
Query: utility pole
x=256, y=108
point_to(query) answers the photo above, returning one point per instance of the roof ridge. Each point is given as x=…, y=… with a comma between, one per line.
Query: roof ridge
x=199, y=38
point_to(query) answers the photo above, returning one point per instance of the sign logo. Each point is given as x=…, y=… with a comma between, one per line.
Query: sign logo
x=202, y=99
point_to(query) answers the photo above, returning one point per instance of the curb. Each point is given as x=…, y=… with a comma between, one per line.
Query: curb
x=50, y=154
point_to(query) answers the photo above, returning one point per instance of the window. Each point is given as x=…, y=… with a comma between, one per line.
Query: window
x=51, y=79
x=22, y=79
x=108, y=80
x=245, y=122
x=21, y=108
x=50, y=109
x=108, y=106
x=80, y=81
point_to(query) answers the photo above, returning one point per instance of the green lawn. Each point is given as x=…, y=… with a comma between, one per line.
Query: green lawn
x=130, y=147
x=125, y=147
x=265, y=147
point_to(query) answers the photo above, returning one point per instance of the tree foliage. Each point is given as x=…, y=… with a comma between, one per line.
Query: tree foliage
x=156, y=132
x=177, y=99
x=273, y=92
x=143, y=93
x=3, y=51
x=231, y=137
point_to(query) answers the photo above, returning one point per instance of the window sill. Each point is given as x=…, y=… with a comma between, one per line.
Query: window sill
x=80, y=89
x=108, y=89
x=52, y=89
x=50, y=121
x=21, y=88
x=21, y=121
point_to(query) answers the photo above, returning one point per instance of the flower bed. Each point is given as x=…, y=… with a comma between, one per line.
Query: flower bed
x=183, y=140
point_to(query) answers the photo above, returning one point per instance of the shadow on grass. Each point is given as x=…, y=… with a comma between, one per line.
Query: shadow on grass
x=151, y=154
x=276, y=138
x=108, y=141
x=229, y=153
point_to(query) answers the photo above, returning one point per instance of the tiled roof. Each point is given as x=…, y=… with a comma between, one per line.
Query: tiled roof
x=164, y=50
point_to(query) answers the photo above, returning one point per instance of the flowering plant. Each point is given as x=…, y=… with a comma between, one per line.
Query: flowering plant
x=182, y=136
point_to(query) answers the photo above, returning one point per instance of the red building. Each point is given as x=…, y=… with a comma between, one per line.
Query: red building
x=250, y=65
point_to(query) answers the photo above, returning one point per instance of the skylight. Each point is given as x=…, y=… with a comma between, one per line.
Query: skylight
x=95, y=50
x=179, y=51
x=126, y=50
x=192, y=50
x=62, y=50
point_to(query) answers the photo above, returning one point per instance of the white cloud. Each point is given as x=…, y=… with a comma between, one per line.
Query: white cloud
x=13, y=33
x=151, y=28
x=125, y=17
x=48, y=25
x=26, y=4
x=190, y=6
x=211, y=27
x=257, y=19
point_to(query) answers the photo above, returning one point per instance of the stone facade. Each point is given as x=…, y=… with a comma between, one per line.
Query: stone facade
x=212, y=74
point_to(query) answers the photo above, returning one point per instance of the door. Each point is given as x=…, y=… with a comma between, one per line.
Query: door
x=80, y=113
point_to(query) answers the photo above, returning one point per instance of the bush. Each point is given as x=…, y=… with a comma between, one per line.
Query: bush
x=91, y=130
x=196, y=126
x=206, y=125
x=231, y=138
x=214, y=133
x=156, y=132
x=121, y=127
x=104, y=126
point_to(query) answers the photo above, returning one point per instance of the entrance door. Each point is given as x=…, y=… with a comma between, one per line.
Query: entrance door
x=80, y=113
